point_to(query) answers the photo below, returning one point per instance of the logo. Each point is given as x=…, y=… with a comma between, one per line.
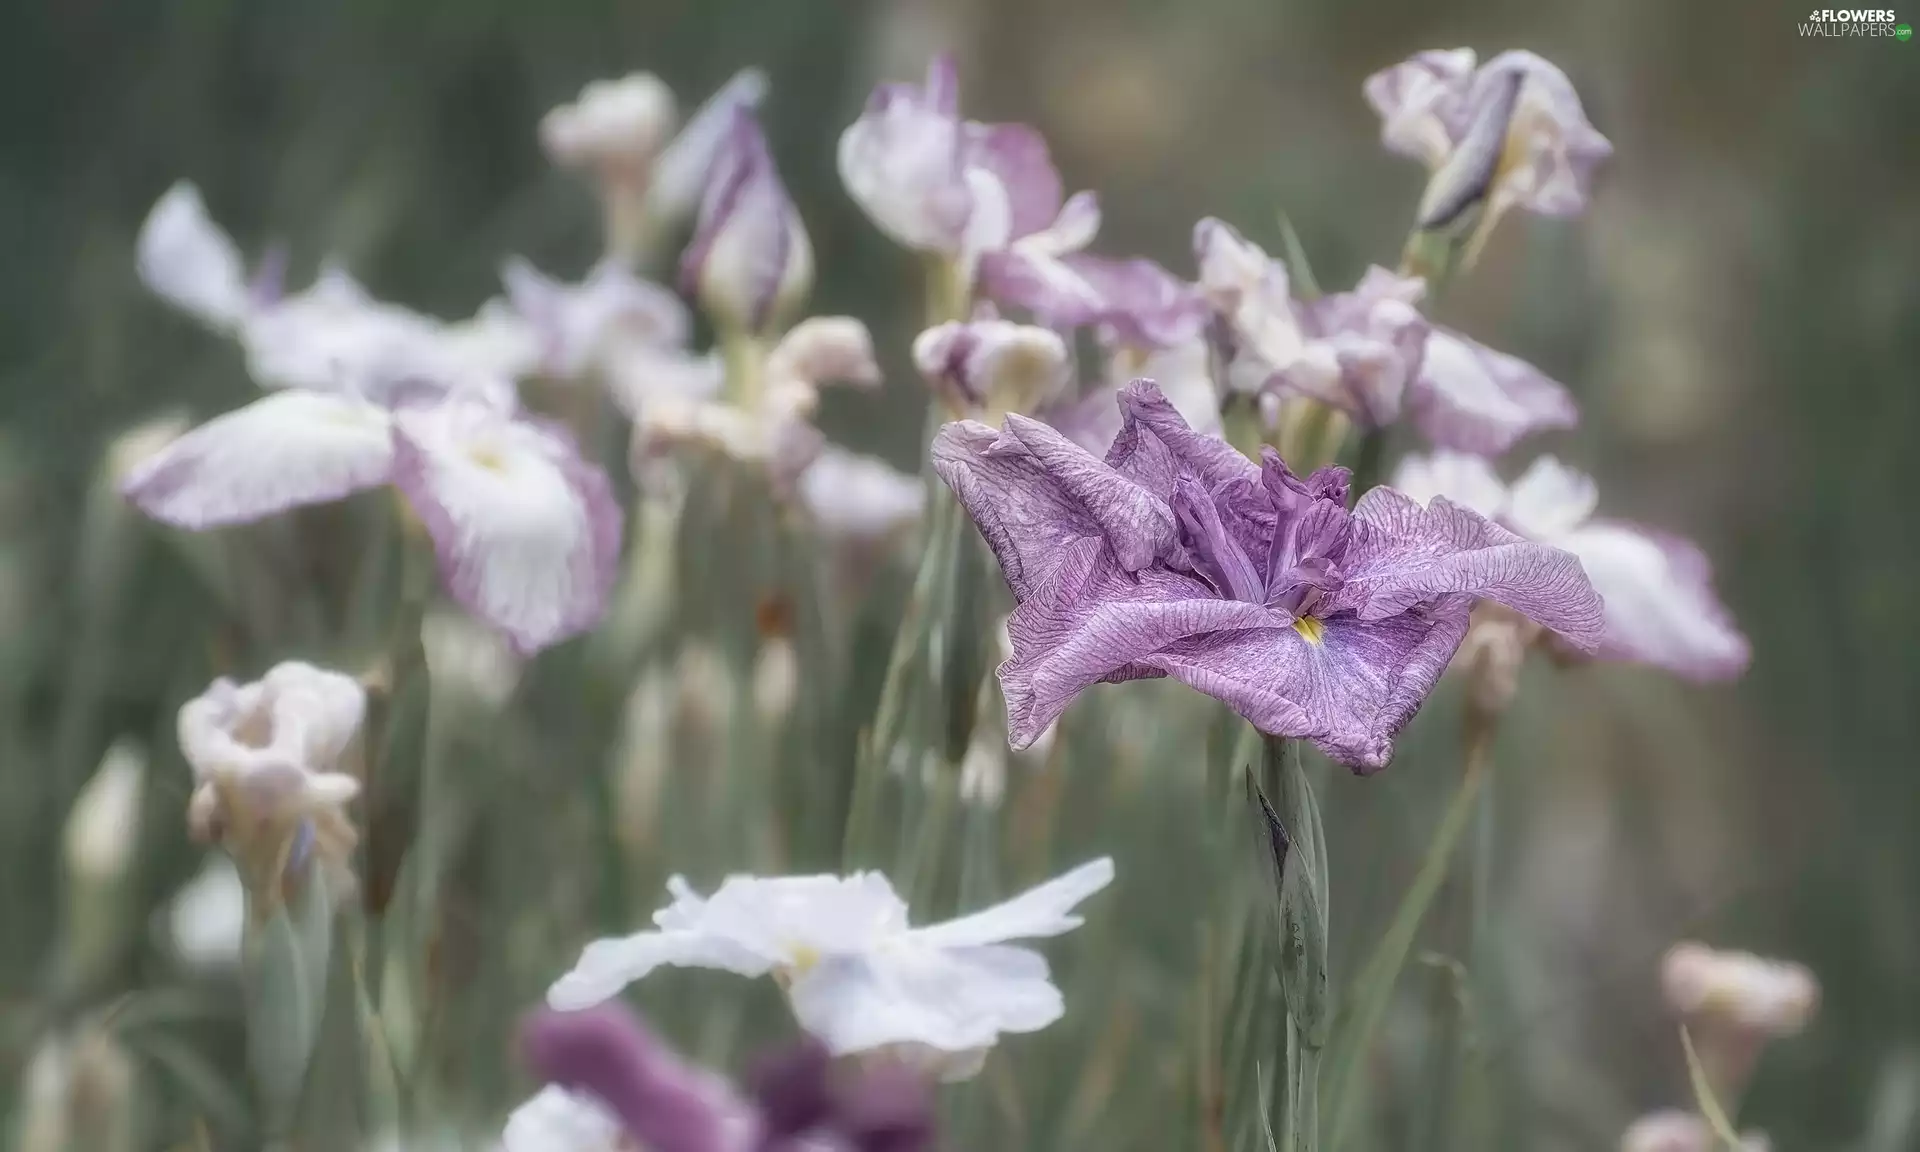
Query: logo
x=1854, y=22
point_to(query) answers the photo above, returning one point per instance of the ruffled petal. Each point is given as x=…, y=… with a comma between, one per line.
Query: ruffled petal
x=1138, y=525
x=1025, y=518
x=280, y=452
x=527, y=533
x=1090, y=620
x=185, y=257
x=1404, y=555
x=1155, y=443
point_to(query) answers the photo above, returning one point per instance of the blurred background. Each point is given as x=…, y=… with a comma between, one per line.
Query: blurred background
x=1738, y=315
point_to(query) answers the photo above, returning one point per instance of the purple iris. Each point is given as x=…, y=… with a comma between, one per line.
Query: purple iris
x=1175, y=555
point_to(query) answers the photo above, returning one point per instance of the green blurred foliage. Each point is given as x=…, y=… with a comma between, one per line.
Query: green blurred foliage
x=1739, y=316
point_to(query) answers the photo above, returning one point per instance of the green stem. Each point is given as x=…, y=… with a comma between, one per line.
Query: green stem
x=1373, y=989
x=1371, y=461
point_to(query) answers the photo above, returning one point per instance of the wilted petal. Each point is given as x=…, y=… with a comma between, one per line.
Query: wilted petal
x=283, y=451
x=528, y=534
x=1404, y=555
x=186, y=258
x=750, y=256
x=680, y=171
x=853, y=497
x=1660, y=604
x=1470, y=397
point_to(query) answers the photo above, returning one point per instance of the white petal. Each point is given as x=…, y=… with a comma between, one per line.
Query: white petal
x=1660, y=605
x=528, y=534
x=208, y=917
x=1471, y=397
x=859, y=497
x=286, y=450
x=620, y=122
x=1043, y=911
x=989, y=226
x=1461, y=477
x=185, y=257
x=574, y=324
x=953, y=1000
x=1551, y=499
x=607, y=966
x=556, y=1120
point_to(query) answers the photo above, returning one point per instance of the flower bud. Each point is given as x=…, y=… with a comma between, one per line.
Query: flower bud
x=991, y=367
x=615, y=128
x=1767, y=998
x=750, y=260
x=1671, y=1130
x=207, y=919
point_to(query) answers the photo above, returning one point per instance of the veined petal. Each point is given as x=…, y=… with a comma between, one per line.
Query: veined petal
x=1155, y=443
x=1403, y=555
x=1045, y=910
x=1660, y=603
x=283, y=451
x=1024, y=516
x=186, y=258
x=528, y=533
x=1365, y=679
x=1472, y=398
x=1138, y=524
x=1089, y=620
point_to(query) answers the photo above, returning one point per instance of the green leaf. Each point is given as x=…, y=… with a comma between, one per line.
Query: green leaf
x=1373, y=988
x=198, y=1080
x=1710, y=1108
x=1287, y=826
x=1305, y=285
x=284, y=978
